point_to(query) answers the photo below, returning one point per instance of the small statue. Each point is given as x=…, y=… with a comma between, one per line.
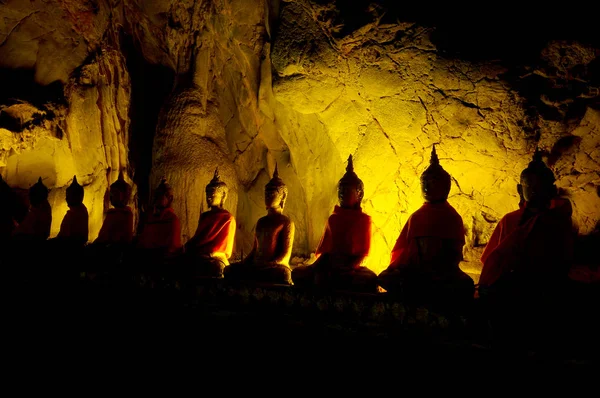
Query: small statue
x=36, y=224
x=425, y=260
x=7, y=219
x=211, y=246
x=345, y=244
x=269, y=259
x=74, y=226
x=533, y=246
x=117, y=228
x=161, y=231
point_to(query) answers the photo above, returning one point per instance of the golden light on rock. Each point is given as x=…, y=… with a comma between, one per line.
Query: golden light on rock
x=302, y=97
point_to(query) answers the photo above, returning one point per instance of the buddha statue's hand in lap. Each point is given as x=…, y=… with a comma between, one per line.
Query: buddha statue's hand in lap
x=210, y=248
x=269, y=259
x=345, y=244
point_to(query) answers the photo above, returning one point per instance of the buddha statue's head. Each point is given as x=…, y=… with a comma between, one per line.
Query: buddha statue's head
x=536, y=185
x=74, y=193
x=216, y=191
x=350, y=188
x=38, y=193
x=163, y=195
x=120, y=192
x=275, y=192
x=435, y=181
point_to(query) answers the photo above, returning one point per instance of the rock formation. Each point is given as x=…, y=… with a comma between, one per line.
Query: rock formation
x=299, y=83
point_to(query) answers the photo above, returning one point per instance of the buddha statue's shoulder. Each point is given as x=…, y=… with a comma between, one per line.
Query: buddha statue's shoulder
x=169, y=214
x=271, y=219
x=218, y=213
x=512, y=216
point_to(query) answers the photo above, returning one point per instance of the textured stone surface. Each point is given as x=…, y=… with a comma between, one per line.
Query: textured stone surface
x=293, y=82
x=51, y=37
x=385, y=94
x=84, y=137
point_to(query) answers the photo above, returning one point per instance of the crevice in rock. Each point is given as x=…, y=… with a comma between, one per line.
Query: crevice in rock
x=150, y=87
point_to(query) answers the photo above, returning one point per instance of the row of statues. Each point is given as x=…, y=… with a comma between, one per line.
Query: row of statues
x=529, y=245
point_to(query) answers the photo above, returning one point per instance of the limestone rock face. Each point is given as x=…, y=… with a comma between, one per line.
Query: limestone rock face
x=53, y=38
x=385, y=94
x=297, y=84
x=86, y=136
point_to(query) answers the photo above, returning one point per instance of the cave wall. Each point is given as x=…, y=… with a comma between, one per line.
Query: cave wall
x=294, y=83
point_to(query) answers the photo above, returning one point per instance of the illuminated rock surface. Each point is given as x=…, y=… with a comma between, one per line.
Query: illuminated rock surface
x=263, y=82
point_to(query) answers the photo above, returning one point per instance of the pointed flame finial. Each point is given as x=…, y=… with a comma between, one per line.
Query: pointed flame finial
x=350, y=166
x=434, y=160
x=75, y=183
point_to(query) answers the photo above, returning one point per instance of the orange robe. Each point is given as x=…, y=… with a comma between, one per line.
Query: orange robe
x=215, y=233
x=347, y=232
x=117, y=226
x=541, y=246
x=37, y=222
x=75, y=224
x=161, y=231
x=438, y=220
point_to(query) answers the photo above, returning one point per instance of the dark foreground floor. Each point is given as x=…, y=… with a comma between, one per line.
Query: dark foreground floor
x=125, y=329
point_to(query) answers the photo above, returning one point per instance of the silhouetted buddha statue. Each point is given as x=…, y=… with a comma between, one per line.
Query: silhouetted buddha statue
x=7, y=220
x=531, y=246
x=75, y=224
x=269, y=259
x=210, y=248
x=161, y=231
x=425, y=260
x=345, y=244
x=36, y=224
x=117, y=228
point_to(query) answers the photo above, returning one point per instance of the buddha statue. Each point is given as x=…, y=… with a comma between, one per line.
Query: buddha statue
x=36, y=224
x=268, y=262
x=531, y=246
x=7, y=219
x=210, y=248
x=425, y=260
x=74, y=226
x=160, y=233
x=117, y=228
x=344, y=246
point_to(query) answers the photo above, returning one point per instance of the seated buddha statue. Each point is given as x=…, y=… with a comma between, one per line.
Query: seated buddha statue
x=116, y=234
x=424, y=263
x=160, y=234
x=209, y=250
x=268, y=262
x=75, y=225
x=7, y=219
x=344, y=245
x=117, y=228
x=35, y=227
x=532, y=246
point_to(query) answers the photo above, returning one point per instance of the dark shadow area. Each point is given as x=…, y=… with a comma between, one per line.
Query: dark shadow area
x=19, y=84
x=150, y=86
x=474, y=32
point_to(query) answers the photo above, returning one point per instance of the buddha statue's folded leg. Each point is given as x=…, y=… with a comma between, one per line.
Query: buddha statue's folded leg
x=208, y=267
x=277, y=274
x=236, y=272
x=454, y=291
x=363, y=280
x=464, y=286
x=303, y=276
x=392, y=280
